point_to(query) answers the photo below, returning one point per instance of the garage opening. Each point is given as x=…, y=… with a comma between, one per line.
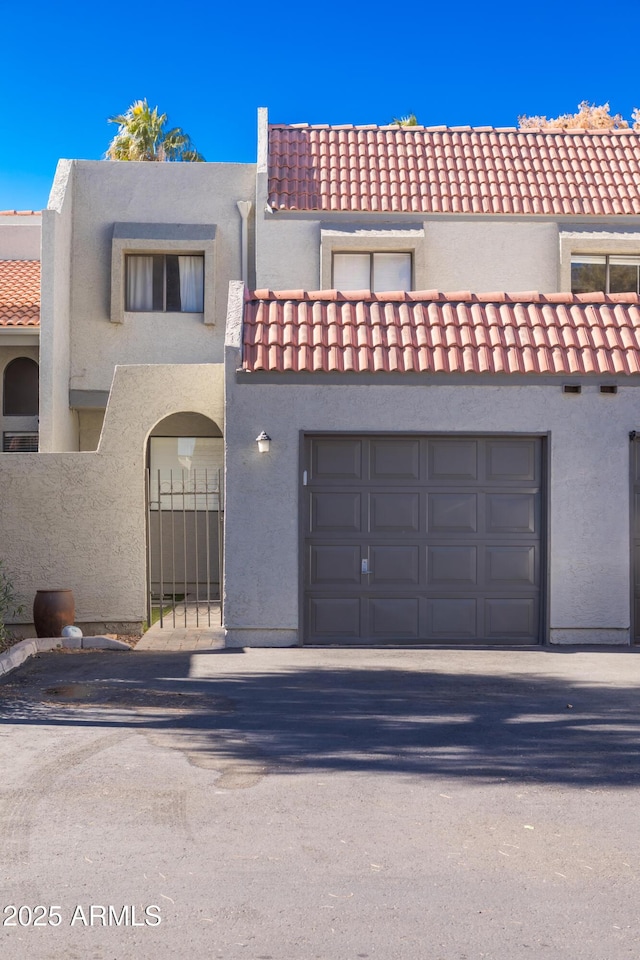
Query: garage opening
x=423, y=539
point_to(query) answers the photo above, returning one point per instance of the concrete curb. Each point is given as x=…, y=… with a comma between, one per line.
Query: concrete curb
x=16, y=655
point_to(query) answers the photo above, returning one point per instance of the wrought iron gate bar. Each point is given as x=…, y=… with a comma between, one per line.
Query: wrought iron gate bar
x=190, y=560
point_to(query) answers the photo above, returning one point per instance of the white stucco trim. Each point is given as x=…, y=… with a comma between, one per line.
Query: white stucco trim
x=179, y=238
x=372, y=241
x=19, y=336
x=574, y=242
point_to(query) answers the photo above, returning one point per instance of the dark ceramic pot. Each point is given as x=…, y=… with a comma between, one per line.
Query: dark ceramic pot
x=53, y=610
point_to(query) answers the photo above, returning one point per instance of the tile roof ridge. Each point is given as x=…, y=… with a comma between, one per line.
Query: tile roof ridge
x=20, y=213
x=461, y=128
x=455, y=296
x=15, y=260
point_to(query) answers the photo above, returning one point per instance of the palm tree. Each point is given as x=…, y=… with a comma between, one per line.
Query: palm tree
x=409, y=120
x=141, y=136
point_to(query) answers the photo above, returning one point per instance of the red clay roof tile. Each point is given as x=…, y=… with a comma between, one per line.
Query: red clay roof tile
x=454, y=170
x=19, y=293
x=329, y=331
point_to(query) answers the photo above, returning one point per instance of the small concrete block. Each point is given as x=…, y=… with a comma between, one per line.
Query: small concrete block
x=14, y=657
x=29, y=648
x=44, y=644
x=71, y=643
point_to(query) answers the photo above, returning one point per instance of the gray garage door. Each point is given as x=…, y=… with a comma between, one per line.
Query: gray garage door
x=422, y=539
x=635, y=477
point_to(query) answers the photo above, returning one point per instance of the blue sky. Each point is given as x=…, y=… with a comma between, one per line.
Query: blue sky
x=66, y=68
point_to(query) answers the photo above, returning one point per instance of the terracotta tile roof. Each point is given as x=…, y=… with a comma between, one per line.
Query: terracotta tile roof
x=432, y=332
x=20, y=213
x=19, y=293
x=454, y=170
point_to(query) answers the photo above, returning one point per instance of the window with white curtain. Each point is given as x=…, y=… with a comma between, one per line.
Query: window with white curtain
x=378, y=272
x=168, y=283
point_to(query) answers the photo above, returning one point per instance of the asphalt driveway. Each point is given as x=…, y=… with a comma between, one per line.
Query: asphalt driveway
x=321, y=805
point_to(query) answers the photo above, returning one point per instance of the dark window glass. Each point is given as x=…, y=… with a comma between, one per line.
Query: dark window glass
x=606, y=274
x=173, y=284
x=623, y=277
x=164, y=282
x=20, y=388
x=588, y=277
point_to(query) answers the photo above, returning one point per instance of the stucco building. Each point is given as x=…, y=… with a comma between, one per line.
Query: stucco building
x=446, y=464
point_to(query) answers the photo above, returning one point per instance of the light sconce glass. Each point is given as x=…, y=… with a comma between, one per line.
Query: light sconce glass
x=264, y=442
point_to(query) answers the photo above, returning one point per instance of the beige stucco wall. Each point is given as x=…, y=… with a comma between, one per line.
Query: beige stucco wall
x=76, y=519
x=457, y=253
x=20, y=237
x=589, y=489
x=58, y=424
x=90, y=427
x=486, y=255
x=104, y=193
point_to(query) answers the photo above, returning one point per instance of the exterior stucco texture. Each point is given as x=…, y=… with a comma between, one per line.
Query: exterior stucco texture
x=588, y=519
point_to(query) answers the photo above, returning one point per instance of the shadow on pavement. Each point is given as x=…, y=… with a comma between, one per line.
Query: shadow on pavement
x=348, y=718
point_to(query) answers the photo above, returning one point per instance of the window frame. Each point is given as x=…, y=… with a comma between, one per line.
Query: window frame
x=28, y=435
x=607, y=257
x=372, y=254
x=411, y=241
x=594, y=243
x=149, y=239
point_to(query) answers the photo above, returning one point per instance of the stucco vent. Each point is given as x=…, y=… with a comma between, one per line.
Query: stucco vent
x=608, y=388
x=571, y=388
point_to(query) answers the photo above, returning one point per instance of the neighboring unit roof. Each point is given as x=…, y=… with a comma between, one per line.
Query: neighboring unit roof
x=432, y=332
x=442, y=170
x=20, y=213
x=19, y=293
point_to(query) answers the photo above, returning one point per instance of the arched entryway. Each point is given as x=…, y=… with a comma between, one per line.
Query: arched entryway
x=20, y=399
x=185, y=509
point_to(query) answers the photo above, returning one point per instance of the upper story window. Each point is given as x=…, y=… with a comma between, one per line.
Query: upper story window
x=379, y=272
x=166, y=283
x=593, y=273
x=163, y=268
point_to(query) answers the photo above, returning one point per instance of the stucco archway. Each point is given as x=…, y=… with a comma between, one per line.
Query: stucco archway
x=184, y=485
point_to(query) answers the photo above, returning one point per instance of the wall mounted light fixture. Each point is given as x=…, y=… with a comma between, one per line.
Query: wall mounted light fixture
x=264, y=442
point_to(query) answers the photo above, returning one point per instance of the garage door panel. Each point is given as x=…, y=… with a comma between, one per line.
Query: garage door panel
x=336, y=512
x=335, y=618
x=453, y=459
x=394, y=512
x=335, y=564
x=453, y=512
x=394, y=618
x=447, y=565
x=452, y=619
x=511, y=513
x=395, y=459
x=636, y=565
x=509, y=617
x=512, y=460
x=337, y=459
x=637, y=511
x=395, y=563
x=510, y=565
x=424, y=539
